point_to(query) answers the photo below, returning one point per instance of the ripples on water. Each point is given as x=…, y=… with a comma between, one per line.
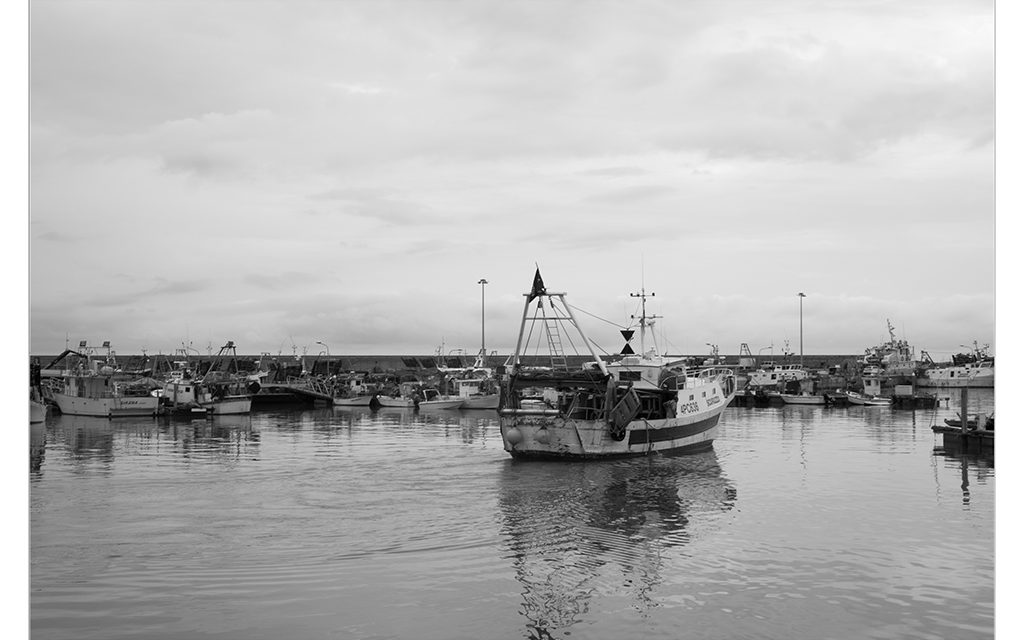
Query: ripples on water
x=802, y=522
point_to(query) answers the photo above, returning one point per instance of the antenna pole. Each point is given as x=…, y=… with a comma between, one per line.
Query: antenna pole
x=644, y=318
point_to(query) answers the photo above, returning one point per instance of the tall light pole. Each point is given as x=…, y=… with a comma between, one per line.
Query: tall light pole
x=328, y=355
x=483, y=349
x=802, y=296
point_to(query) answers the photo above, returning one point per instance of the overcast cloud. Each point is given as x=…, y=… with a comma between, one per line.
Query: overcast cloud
x=283, y=173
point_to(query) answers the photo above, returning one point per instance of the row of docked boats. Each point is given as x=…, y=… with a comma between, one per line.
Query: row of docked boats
x=837, y=397
x=895, y=362
x=93, y=385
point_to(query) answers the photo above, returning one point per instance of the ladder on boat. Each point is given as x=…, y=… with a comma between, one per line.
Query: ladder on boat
x=558, y=360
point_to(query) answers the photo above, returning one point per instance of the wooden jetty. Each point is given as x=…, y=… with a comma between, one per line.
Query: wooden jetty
x=972, y=436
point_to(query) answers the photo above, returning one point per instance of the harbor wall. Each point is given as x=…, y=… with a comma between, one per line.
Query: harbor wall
x=846, y=364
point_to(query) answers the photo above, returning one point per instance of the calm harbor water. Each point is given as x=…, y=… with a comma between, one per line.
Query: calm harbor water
x=802, y=522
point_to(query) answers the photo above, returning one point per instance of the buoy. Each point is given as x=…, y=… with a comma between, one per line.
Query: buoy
x=514, y=436
x=542, y=435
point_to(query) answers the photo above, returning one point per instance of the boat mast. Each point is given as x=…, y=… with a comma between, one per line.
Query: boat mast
x=645, y=320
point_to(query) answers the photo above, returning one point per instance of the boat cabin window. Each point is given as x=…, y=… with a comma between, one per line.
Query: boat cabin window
x=629, y=375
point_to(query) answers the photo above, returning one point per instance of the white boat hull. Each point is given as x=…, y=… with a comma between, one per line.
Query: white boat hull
x=230, y=405
x=396, y=403
x=354, y=401
x=36, y=412
x=106, y=407
x=442, y=404
x=866, y=401
x=554, y=437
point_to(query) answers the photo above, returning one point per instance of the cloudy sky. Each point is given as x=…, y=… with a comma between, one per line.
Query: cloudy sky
x=283, y=174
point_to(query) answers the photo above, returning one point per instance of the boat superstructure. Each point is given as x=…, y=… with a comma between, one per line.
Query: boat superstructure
x=636, y=405
x=774, y=375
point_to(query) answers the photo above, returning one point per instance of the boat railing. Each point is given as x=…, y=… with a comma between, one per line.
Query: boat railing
x=705, y=374
x=696, y=376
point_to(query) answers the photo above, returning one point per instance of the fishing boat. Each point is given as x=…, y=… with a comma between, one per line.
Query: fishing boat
x=802, y=398
x=365, y=400
x=637, y=405
x=395, y=402
x=987, y=421
x=220, y=391
x=770, y=374
x=353, y=390
x=94, y=387
x=868, y=400
x=434, y=399
x=977, y=370
x=477, y=385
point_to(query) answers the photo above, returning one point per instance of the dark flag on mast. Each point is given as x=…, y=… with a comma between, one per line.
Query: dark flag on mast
x=538, y=287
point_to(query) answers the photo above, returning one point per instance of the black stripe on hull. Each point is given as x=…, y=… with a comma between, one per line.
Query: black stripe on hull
x=696, y=447
x=643, y=436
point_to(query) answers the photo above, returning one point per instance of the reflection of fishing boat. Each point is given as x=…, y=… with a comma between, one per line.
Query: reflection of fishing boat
x=802, y=398
x=633, y=406
x=572, y=530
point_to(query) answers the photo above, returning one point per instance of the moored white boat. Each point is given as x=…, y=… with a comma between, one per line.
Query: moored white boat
x=476, y=393
x=218, y=392
x=868, y=401
x=636, y=406
x=772, y=375
x=363, y=400
x=433, y=399
x=395, y=402
x=102, y=396
x=92, y=387
x=980, y=374
x=36, y=407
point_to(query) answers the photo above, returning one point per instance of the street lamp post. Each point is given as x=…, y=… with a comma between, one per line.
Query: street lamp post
x=483, y=349
x=801, y=296
x=328, y=349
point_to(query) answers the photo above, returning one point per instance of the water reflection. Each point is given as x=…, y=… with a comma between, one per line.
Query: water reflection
x=577, y=531
x=977, y=466
x=36, y=449
x=94, y=443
